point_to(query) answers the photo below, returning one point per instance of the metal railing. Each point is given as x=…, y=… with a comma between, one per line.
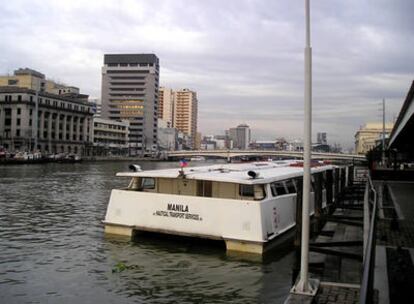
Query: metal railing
x=370, y=215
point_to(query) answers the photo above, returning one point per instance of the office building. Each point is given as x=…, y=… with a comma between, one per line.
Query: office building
x=366, y=136
x=185, y=113
x=130, y=84
x=34, y=119
x=240, y=136
x=110, y=137
x=321, y=138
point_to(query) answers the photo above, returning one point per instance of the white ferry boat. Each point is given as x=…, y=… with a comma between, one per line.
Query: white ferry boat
x=247, y=205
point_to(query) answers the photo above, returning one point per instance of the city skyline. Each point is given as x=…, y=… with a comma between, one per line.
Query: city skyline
x=245, y=60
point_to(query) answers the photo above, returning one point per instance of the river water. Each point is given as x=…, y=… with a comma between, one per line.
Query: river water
x=53, y=249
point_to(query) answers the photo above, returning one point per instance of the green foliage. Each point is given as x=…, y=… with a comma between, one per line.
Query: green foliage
x=121, y=266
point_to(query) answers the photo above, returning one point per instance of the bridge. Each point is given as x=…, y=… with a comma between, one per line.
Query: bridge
x=262, y=153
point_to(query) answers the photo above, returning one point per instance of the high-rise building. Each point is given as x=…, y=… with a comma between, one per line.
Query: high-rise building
x=130, y=85
x=185, y=113
x=321, y=138
x=240, y=136
x=166, y=105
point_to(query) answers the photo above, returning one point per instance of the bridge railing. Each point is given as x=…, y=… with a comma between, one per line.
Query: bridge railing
x=237, y=153
x=370, y=215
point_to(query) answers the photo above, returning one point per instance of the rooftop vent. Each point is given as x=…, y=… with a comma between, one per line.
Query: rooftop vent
x=253, y=174
x=135, y=168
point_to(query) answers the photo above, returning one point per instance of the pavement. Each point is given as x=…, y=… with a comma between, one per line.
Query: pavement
x=394, y=255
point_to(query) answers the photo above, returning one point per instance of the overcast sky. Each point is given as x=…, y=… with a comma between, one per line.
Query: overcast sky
x=244, y=58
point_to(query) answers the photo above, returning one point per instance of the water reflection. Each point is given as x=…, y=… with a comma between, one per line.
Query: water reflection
x=52, y=248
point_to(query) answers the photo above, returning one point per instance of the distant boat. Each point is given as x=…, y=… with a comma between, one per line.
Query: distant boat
x=197, y=158
x=70, y=158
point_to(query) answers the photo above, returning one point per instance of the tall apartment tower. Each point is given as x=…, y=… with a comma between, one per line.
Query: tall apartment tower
x=185, y=113
x=130, y=85
x=166, y=105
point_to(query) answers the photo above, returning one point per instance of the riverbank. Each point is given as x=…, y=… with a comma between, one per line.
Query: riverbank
x=12, y=161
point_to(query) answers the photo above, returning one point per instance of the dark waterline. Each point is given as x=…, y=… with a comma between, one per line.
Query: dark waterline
x=53, y=250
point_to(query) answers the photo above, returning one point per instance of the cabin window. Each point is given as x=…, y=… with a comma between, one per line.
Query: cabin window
x=204, y=188
x=256, y=192
x=246, y=191
x=278, y=188
x=148, y=183
x=259, y=192
x=290, y=186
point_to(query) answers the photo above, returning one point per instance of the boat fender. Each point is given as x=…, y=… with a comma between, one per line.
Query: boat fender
x=135, y=168
x=253, y=174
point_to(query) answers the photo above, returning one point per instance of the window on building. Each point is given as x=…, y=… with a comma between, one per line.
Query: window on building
x=17, y=132
x=19, y=97
x=18, y=122
x=19, y=111
x=12, y=81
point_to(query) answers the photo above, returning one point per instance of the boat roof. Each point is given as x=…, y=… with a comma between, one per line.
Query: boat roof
x=268, y=171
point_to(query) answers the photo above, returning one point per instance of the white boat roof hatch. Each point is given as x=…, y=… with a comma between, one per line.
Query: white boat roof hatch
x=233, y=173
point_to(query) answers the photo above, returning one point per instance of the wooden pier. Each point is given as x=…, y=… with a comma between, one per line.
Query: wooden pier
x=336, y=246
x=364, y=252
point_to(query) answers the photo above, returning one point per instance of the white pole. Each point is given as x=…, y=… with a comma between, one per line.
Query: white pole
x=383, y=132
x=304, y=286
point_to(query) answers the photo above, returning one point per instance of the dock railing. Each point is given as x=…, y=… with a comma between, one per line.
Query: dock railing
x=370, y=215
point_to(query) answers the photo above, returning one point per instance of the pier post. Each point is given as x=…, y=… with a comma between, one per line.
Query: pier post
x=329, y=189
x=318, y=200
x=343, y=177
x=336, y=184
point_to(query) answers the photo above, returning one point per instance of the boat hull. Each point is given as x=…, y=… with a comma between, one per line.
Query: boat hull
x=247, y=226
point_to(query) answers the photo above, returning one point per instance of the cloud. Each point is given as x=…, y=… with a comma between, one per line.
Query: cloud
x=244, y=58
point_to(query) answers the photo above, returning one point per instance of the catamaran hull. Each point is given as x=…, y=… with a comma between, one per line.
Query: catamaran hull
x=247, y=226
